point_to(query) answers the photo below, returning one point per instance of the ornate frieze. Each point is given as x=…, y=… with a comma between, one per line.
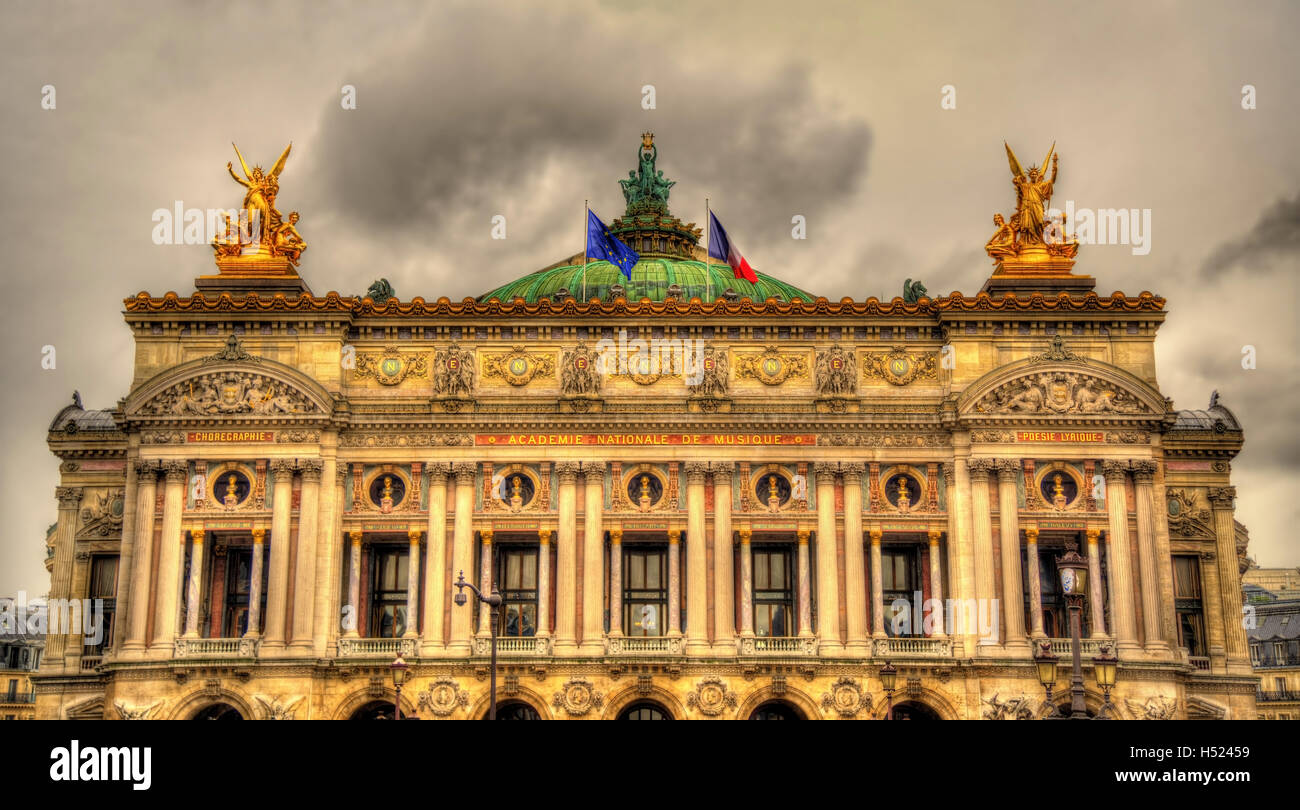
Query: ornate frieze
x=395, y=439
x=101, y=513
x=1059, y=392
x=900, y=367
x=392, y=366
x=771, y=367
x=885, y=439
x=845, y=698
x=442, y=697
x=229, y=393
x=711, y=697
x=578, y=697
x=518, y=367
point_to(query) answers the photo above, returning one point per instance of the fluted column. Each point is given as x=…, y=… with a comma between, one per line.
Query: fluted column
x=462, y=551
x=126, y=553
x=805, y=584
x=304, y=567
x=167, y=610
x=1222, y=501
x=593, y=559
x=697, y=579
x=1096, y=599
x=138, y=616
x=277, y=587
x=354, y=583
x=254, y=628
x=724, y=581
x=961, y=560
x=566, y=560
x=1121, y=562
x=1144, y=472
x=936, y=584
x=615, y=581
x=828, y=596
x=69, y=498
x=674, y=582
x=855, y=572
x=877, y=586
x=485, y=580
x=339, y=549
x=982, y=533
x=1216, y=643
x=1035, y=583
x=435, y=560
x=413, y=583
x=327, y=554
x=1013, y=602
x=747, y=584
x=195, y=584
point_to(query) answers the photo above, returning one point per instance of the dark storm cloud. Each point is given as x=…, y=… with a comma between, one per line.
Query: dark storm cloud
x=1276, y=235
x=484, y=115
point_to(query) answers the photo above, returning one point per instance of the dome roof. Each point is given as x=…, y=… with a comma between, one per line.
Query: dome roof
x=651, y=278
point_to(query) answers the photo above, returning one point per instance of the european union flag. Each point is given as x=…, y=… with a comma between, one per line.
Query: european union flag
x=601, y=244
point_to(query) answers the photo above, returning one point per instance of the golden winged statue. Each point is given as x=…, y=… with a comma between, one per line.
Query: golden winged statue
x=266, y=232
x=1028, y=226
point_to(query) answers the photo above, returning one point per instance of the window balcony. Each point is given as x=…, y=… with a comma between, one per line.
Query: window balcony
x=912, y=648
x=803, y=646
x=215, y=648
x=645, y=645
x=89, y=663
x=16, y=698
x=388, y=648
x=1277, y=696
x=1088, y=647
x=514, y=646
x=1200, y=663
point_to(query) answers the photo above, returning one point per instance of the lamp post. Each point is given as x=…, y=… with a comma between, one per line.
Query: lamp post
x=493, y=601
x=888, y=679
x=1104, y=666
x=400, y=669
x=1073, y=570
x=1047, y=663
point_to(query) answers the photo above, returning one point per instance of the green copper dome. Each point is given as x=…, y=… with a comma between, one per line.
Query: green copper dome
x=651, y=278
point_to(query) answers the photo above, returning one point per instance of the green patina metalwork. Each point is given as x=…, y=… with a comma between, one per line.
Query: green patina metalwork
x=651, y=279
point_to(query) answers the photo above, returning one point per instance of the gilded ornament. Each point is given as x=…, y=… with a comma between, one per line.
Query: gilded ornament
x=391, y=367
x=771, y=367
x=518, y=367
x=898, y=367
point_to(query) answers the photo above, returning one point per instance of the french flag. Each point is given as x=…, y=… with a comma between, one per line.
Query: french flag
x=721, y=247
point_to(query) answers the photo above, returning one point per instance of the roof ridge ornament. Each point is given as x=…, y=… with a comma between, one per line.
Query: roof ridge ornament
x=233, y=352
x=1057, y=353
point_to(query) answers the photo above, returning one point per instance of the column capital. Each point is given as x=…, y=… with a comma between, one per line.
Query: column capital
x=544, y=536
x=259, y=535
x=825, y=468
x=1091, y=535
x=722, y=471
x=594, y=472
x=413, y=534
x=486, y=536
x=949, y=471
x=1144, y=471
x=464, y=471
x=934, y=536
x=695, y=471
x=1114, y=469
x=1031, y=534
x=746, y=534
x=176, y=471
x=853, y=471
x=875, y=534
x=979, y=467
x=340, y=474
x=567, y=471
x=1007, y=469
x=310, y=468
x=674, y=536
x=615, y=535
x=68, y=497
x=355, y=535
x=282, y=469
x=438, y=471
x=1221, y=497
x=196, y=533
x=147, y=468
x=802, y=535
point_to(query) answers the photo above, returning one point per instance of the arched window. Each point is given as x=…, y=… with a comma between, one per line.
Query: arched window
x=516, y=710
x=911, y=710
x=776, y=710
x=219, y=711
x=645, y=711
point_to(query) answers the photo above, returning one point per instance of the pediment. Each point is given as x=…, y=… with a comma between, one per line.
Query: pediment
x=247, y=387
x=1055, y=389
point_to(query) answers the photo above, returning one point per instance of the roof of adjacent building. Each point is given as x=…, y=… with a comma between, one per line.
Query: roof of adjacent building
x=1209, y=419
x=75, y=418
x=1278, y=621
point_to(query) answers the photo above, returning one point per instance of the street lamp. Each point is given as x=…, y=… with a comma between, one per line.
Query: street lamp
x=493, y=601
x=888, y=679
x=1073, y=570
x=400, y=670
x=1103, y=666
x=1047, y=663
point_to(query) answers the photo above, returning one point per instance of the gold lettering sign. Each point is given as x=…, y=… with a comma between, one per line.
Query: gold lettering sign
x=1079, y=436
x=230, y=436
x=644, y=439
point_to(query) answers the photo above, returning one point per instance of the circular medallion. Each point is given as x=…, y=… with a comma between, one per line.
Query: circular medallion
x=518, y=366
x=390, y=366
x=771, y=366
x=899, y=366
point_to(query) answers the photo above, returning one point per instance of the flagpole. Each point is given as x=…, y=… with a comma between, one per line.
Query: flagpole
x=708, y=248
x=586, y=228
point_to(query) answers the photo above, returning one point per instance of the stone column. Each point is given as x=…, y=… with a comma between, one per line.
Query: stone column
x=167, y=608
x=126, y=553
x=138, y=618
x=327, y=552
x=354, y=583
x=1222, y=500
x=566, y=561
x=254, y=628
x=593, y=560
x=277, y=587
x=339, y=548
x=485, y=581
x=747, y=584
x=1035, y=583
x=1215, y=641
x=304, y=568
x=615, y=581
x=195, y=583
x=961, y=560
x=1013, y=602
x=436, y=581
x=56, y=644
x=877, y=586
x=1096, y=598
x=724, y=580
x=697, y=571
x=982, y=533
x=855, y=572
x=543, y=582
x=1144, y=473
x=805, y=585
x=828, y=597
x=413, y=584
x=936, y=583
x=674, y=582
x=462, y=552
x=1121, y=563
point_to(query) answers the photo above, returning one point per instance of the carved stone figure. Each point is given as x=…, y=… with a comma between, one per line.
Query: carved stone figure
x=453, y=372
x=578, y=375
x=275, y=709
x=1154, y=708
x=1019, y=708
x=835, y=373
x=230, y=392
x=913, y=291
x=714, y=379
x=380, y=291
x=1059, y=392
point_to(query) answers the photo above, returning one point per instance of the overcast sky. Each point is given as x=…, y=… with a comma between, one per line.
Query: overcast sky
x=830, y=111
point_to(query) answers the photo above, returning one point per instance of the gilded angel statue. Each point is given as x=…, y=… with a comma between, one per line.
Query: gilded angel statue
x=259, y=199
x=1033, y=193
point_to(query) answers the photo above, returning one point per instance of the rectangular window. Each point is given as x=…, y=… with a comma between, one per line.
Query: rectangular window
x=1254, y=655
x=773, y=591
x=645, y=590
x=388, y=591
x=1187, y=604
x=1279, y=653
x=900, y=572
x=1279, y=684
x=516, y=578
x=239, y=584
x=103, y=585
